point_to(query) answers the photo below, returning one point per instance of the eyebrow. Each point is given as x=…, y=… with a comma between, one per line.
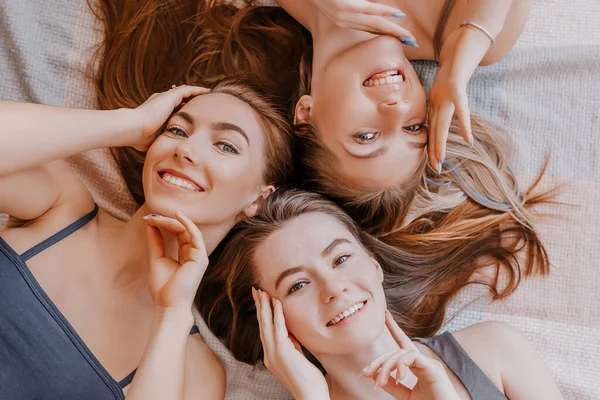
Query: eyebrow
x=375, y=153
x=217, y=126
x=300, y=268
x=418, y=145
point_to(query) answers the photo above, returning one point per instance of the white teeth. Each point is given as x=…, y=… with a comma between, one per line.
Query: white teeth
x=392, y=76
x=176, y=181
x=350, y=311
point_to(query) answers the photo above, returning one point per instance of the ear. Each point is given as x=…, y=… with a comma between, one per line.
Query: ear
x=303, y=110
x=253, y=208
x=379, y=269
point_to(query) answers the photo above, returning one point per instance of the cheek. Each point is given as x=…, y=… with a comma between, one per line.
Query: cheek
x=299, y=320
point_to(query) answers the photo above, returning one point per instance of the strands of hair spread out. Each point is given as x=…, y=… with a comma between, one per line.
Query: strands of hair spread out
x=430, y=238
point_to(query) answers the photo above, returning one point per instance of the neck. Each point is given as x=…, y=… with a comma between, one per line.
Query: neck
x=126, y=248
x=343, y=371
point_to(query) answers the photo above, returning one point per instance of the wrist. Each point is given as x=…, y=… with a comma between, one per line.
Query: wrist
x=130, y=123
x=462, y=53
x=174, y=316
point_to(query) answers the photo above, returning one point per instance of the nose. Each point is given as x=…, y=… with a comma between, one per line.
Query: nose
x=394, y=107
x=186, y=154
x=332, y=288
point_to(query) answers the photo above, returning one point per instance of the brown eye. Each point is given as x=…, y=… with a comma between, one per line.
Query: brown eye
x=341, y=260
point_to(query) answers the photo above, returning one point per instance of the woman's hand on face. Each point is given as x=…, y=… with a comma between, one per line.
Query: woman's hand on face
x=364, y=15
x=433, y=383
x=173, y=284
x=155, y=111
x=448, y=96
x=282, y=353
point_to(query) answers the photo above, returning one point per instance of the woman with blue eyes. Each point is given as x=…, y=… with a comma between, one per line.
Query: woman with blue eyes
x=87, y=299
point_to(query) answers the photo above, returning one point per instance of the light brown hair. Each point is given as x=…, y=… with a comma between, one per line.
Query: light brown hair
x=419, y=280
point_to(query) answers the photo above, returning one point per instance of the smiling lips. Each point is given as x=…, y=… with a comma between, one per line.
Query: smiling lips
x=384, y=78
x=179, y=181
x=347, y=313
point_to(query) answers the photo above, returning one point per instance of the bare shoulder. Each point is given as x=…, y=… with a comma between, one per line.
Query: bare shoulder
x=504, y=353
x=205, y=375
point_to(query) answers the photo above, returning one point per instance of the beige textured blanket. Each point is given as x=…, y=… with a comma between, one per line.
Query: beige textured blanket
x=547, y=92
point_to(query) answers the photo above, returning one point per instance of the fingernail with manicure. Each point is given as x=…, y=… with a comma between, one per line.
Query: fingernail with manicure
x=472, y=141
x=150, y=216
x=408, y=42
x=363, y=371
x=439, y=170
x=398, y=15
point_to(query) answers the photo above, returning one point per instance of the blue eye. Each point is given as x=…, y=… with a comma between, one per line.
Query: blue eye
x=176, y=131
x=228, y=148
x=366, y=137
x=341, y=260
x=296, y=287
x=416, y=128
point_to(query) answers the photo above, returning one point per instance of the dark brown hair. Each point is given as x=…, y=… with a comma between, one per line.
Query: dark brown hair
x=150, y=45
x=419, y=279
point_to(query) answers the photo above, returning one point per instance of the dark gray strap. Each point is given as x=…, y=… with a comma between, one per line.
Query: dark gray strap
x=479, y=386
x=57, y=237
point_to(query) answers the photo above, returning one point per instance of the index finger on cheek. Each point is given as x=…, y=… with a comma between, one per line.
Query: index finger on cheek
x=397, y=333
x=192, y=230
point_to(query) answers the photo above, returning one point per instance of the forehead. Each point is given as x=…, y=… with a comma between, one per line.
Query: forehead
x=221, y=107
x=299, y=241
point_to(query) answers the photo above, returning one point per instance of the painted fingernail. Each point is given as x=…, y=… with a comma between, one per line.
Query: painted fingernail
x=408, y=42
x=150, y=216
x=376, y=384
x=444, y=159
x=364, y=370
x=439, y=170
x=472, y=141
x=398, y=14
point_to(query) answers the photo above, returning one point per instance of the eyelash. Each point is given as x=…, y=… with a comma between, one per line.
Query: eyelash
x=340, y=260
x=176, y=131
x=359, y=140
x=421, y=127
x=337, y=261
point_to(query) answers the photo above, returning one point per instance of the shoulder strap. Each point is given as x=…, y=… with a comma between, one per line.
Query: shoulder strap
x=441, y=27
x=129, y=378
x=57, y=237
x=466, y=370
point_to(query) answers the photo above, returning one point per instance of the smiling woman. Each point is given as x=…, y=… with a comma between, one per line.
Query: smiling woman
x=126, y=306
x=324, y=287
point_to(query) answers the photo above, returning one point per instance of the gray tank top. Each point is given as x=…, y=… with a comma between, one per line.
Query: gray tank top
x=479, y=386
